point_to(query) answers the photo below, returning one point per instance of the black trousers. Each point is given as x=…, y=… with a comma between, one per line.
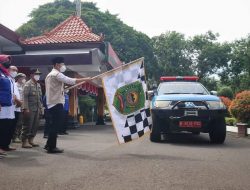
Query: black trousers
x=17, y=114
x=65, y=122
x=47, y=121
x=7, y=128
x=56, y=113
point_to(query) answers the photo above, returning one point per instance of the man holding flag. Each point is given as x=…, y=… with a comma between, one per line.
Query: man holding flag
x=125, y=90
x=54, y=84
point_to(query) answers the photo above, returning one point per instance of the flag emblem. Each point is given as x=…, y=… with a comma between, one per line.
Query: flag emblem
x=129, y=98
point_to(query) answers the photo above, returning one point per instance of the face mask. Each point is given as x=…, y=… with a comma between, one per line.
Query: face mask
x=63, y=68
x=36, y=77
x=23, y=81
x=6, y=64
x=13, y=74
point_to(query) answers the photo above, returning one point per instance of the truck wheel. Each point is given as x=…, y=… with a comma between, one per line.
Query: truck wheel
x=155, y=135
x=217, y=132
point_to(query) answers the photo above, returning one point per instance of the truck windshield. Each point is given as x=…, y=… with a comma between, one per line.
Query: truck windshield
x=181, y=88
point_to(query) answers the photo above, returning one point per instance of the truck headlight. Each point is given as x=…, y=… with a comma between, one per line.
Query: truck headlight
x=161, y=104
x=214, y=105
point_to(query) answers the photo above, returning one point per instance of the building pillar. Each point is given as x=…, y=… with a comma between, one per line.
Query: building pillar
x=100, y=107
x=73, y=102
x=73, y=109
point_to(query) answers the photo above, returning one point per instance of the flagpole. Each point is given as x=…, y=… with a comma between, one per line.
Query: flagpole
x=98, y=76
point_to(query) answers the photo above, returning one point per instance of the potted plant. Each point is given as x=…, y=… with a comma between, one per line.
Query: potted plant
x=240, y=109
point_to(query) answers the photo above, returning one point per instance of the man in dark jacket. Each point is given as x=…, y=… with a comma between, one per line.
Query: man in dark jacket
x=7, y=107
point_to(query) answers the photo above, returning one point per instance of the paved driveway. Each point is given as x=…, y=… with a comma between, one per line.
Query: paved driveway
x=93, y=160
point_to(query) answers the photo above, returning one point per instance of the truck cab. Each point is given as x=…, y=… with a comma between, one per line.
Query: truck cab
x=181, y=103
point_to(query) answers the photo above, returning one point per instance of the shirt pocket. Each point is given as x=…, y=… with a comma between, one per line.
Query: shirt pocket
x=33, y=91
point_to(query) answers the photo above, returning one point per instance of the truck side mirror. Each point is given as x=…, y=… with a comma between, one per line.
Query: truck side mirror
x=150, y=94
x=214, y=92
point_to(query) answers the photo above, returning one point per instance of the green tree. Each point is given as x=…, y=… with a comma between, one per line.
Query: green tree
x=208, y=56
x=226, y=92
x=128, y=43
x=238, y=70
x=210, y=83
x=171, y=53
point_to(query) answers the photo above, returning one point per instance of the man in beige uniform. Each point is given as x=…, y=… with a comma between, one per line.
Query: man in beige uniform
x=54, y=84
x=32, y=107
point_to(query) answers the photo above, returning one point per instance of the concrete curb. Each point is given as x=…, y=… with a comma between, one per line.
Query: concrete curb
x=234, y=129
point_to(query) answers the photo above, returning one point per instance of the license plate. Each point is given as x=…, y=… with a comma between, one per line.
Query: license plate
x=190, y=124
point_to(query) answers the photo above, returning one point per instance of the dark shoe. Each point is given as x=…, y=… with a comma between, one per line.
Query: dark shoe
x=9, y=148
x=46, y=147
x=2, y=152
x=55, y=150
x=63, y=133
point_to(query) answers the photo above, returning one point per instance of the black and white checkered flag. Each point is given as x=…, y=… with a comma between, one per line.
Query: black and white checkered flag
x=138, y=123
x=125, y=91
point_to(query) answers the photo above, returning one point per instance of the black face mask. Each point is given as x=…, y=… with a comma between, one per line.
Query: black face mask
x=6, y=64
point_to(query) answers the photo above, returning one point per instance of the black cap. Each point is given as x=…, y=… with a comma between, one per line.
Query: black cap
x=35, y=72
x=57, y=60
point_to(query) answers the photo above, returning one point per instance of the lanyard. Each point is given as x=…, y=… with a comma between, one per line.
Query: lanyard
x=12, y=85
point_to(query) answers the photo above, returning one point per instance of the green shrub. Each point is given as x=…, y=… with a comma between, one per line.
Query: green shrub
x=226, y=92
x=230, y=121
x=86, y=103
x=240, y=107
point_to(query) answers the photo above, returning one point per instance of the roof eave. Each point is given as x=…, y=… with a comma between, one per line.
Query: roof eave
x=9, y=34
x=72, y=45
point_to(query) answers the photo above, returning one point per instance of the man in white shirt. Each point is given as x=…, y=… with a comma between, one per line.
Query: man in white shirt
x=20, y=81
x=17, y=104
x=54, y=84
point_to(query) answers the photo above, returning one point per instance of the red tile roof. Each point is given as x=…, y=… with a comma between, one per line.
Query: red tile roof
x=72, y=29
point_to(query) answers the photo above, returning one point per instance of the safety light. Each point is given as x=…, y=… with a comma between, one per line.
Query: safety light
x=213, y=105
x=179, y=78
x=161, y=104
